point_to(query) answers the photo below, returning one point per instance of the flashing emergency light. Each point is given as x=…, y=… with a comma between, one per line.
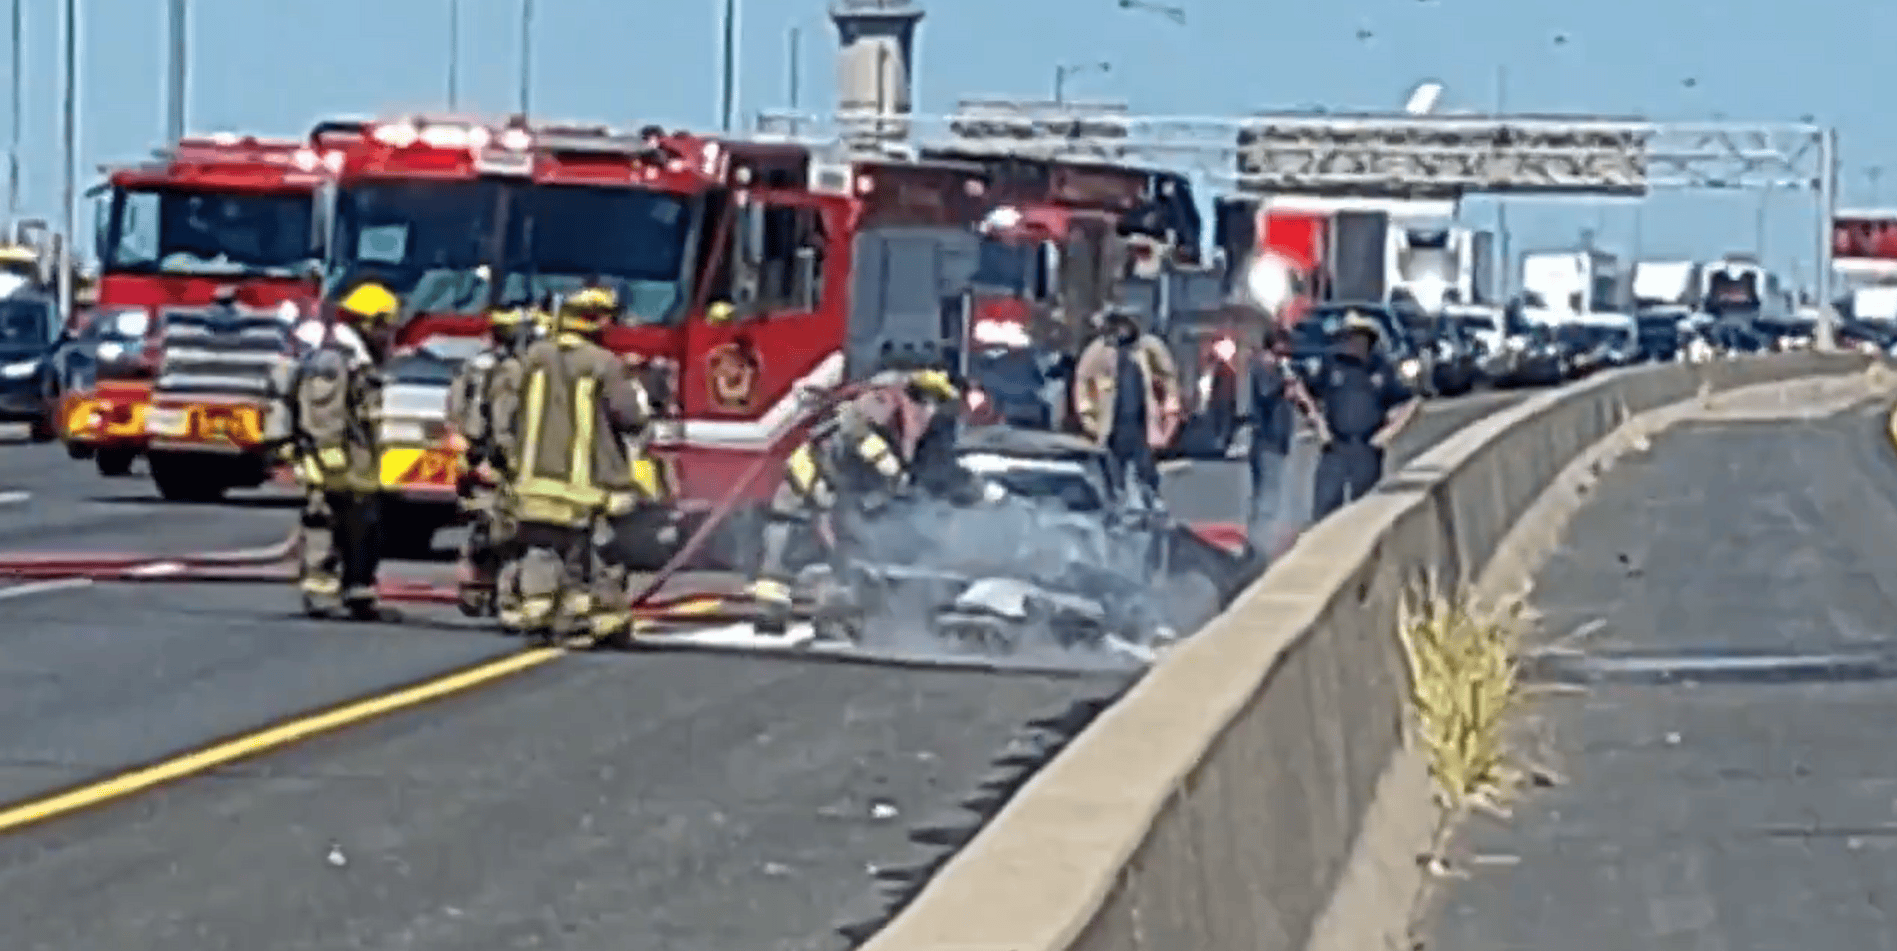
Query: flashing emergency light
x=1004, y=218
x=1001, y=333
x=1269, y=282
x=1225, y=349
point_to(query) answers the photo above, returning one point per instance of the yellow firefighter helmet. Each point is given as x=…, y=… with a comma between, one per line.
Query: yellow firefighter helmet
x=369, y=303
x=506, y=318
x=933, y=385
x=586, y=309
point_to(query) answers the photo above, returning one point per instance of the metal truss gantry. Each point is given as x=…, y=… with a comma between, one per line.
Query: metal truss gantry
x=1375, y=155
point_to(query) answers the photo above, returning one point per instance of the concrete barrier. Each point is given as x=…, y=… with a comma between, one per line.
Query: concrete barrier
x=1258, y=789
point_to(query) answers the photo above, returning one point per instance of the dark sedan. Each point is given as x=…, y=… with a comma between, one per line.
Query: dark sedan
x=28, y=329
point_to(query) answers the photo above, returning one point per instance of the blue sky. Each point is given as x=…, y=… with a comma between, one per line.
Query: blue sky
x=274, y=65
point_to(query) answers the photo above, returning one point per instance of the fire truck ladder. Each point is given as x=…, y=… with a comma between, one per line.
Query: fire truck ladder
x=1439, y=156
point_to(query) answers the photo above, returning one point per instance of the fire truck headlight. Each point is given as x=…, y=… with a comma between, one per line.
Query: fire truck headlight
x=123, y=321
x=20, y=370
x=1001, y=333
x=1225, y=349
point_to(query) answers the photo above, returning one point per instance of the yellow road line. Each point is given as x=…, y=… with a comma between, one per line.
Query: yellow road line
x=283, y=734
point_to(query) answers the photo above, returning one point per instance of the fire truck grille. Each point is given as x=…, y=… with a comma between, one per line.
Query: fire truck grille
x=218, y=353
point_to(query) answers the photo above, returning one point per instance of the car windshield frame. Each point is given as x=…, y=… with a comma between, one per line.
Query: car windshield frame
x=181, y=240
x=34, y=316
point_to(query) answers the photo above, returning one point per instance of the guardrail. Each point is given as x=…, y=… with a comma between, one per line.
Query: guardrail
x=1259, y=789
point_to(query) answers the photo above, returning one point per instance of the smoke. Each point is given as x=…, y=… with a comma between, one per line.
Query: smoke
x=1021, y=580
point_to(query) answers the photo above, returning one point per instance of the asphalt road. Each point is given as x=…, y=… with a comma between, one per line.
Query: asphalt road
x=1732, y=808
x=651, y=801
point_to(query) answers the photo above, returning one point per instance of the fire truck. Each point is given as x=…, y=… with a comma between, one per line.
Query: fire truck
x=749, y=273
x=1060, y=239
x=208, y=256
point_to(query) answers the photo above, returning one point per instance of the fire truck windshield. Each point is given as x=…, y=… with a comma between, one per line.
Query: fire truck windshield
x=425, y=240
x=633, y=240
x=429, y=241
x=217, y=233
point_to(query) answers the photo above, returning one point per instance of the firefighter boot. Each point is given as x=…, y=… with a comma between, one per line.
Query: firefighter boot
x=322, y=595
x=774, y=606
x=363, y=605
x=573, y=627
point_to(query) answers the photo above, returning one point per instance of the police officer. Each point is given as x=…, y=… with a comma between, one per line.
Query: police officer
x=579, y=404
x=862, y=454
x=1278, y=397
x=1363, y=403
x=482, y=401
x=335, y=418
x=1126, y=394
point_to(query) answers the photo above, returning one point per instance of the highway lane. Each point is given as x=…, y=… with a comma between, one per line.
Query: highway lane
x=1738, y=810
x=653, y=800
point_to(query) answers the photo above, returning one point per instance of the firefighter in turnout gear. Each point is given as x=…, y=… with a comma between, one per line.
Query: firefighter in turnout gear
x=855, y=460
x=335, y=416
x=482, y=402
x=579, y=408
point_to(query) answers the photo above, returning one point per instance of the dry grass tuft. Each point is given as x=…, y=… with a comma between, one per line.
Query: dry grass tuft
x=1465, y=685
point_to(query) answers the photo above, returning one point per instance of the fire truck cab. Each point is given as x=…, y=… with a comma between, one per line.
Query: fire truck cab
x=748, y=274
x=207, y=255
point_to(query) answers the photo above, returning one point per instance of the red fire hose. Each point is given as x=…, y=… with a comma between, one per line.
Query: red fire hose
x=274, y=563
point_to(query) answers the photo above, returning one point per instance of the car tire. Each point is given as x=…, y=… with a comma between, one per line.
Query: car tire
x=41, y=430
x=113, y=463
x=183, y=478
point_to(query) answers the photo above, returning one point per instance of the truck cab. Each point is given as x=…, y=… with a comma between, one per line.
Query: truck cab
x=207, y=256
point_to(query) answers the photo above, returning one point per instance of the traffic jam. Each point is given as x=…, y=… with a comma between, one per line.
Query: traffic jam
x=860, y=415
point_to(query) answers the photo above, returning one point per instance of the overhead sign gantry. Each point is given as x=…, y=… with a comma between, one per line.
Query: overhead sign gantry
x=1400, y=156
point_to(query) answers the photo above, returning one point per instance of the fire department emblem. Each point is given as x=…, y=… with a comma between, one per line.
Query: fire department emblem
x=731, y=374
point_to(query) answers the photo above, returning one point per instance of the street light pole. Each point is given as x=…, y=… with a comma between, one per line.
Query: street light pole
x=13, y=142
x=175, y=81
x=526, y=54
x=728, y=73
x=454, y=55
x=69, y=159
x=794, y=65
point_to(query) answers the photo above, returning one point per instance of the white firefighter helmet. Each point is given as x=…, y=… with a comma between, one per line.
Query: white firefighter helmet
x=1271, y=282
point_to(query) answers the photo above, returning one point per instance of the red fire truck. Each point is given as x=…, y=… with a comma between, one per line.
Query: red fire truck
x=748, y=272
x=208, y=256
x=1063, y=238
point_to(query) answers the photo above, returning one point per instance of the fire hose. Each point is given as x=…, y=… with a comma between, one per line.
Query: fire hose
x=274, y=564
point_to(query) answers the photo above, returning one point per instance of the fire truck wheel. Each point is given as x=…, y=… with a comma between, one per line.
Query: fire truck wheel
x=182, y=477
x=114, y=462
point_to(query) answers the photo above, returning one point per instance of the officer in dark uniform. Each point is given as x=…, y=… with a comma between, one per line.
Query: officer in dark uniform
x=1363, y=403
x=1278, y=398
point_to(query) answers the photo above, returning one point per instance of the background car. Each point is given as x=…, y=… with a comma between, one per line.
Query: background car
x=28, y=331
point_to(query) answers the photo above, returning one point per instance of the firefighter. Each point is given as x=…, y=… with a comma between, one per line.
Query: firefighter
x=1363, y=405
x=481, y=404
x=859, y=457
x=1126, y=394
x=335, y=414
x=579, y=406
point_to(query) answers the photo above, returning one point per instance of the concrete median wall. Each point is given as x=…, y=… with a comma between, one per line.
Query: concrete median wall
x=1258, y=790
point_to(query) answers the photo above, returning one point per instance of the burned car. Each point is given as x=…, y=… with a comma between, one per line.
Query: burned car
x=1063, y=558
